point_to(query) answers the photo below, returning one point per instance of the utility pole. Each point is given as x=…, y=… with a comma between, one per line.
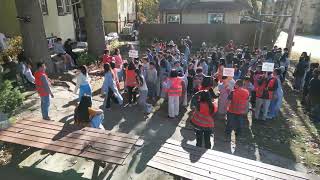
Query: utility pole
x=293, y=24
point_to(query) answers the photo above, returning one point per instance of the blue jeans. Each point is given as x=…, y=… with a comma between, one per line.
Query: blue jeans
x=97, y=121
x=85, y=89
x=45, y=103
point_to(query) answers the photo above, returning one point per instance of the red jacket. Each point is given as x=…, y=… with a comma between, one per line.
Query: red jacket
x=131, y=79
x=203, y=118
x=239, y=101
x=39, y=85
x=176, y=87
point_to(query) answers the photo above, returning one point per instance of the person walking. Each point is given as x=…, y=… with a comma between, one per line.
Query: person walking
x=174, y=86
x=238, y=106
x=143, y=92
x=276, y=100
x=43, y=88
x=109, y=89
x=83, y=83
x=202, y=119
x=131, y=83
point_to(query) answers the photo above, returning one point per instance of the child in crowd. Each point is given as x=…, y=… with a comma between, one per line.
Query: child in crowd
x=131, y=83
x=86, y=116
x=174, y=86
x=109, y=88
x=115, y=73
x=151, y=79
x=143, y=92
x=224, y=90
x=197, y=79
x=83, y=82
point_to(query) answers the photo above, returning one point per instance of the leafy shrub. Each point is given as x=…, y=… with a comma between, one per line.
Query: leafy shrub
x=15, y=47
x=86, y=59
x=10, y=97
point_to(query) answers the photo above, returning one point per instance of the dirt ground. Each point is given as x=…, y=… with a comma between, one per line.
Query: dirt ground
x=291, y=141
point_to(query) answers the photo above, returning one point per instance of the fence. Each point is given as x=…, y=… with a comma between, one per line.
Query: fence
x=217, y=34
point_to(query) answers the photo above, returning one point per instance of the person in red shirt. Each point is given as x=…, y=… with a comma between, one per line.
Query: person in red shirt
x=238, y=106
x=264, y=88
x=106, y=58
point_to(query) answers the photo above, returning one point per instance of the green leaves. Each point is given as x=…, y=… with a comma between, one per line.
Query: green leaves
x=10, y=97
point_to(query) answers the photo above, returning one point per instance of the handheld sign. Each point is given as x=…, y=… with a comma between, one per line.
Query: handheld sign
x=267, y=67
x=228, y=72
x=133, y=54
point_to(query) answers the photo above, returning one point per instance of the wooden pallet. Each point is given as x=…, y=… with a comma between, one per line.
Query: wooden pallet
x=196, y=163
x=91, y=143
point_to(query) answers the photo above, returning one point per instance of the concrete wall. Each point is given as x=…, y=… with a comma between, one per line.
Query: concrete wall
x=201, y=16
x=109, y=10
x=214, y=33
x=60, y=26
x=232, y=17
x=9, y=25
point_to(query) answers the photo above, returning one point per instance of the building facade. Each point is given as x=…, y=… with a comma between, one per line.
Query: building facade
x=57, y=18
x=202, y=11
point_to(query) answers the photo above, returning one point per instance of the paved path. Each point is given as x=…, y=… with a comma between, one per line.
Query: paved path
x=310, y=44
x=155, y=129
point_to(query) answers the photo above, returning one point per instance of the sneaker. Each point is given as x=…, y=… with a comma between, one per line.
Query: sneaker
x=47, y=118
x=108, y=109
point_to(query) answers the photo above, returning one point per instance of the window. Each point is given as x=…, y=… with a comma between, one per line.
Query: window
x=44, y=7
x=68, y=6
x=64, y=7
x=173, y=18
x=215, y=18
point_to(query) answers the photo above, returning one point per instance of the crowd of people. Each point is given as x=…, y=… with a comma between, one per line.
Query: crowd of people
x=174, y=73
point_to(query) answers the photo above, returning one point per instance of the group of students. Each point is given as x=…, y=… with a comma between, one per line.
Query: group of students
x=165, y=72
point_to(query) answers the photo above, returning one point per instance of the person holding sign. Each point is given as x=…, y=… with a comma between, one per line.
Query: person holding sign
x=265, y=88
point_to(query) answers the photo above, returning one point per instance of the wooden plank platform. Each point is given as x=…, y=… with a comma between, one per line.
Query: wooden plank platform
x=95, y=144
x=196, y=163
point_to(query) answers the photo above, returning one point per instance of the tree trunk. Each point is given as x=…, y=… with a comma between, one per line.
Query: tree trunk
x=255, y=8
x=94, y=27
x=33, y=34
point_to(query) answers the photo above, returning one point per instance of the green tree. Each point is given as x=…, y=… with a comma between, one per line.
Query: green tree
x=148, y=10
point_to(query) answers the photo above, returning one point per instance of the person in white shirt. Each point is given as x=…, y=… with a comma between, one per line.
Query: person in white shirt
x=83, y=83
x=28, y=73
x=3, y=44
x=143, y=92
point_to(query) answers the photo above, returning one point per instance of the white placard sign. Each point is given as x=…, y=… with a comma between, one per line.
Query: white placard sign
x=133, y=54
x=228, y=72
x=268, y=67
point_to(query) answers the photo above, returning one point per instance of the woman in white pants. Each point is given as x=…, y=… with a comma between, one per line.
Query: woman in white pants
x=174, y=86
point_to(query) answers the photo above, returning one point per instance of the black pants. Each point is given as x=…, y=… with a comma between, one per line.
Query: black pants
x=132, y=95
x=234, y=122
x=110, y=94
x=190, y=85
x=203, y=134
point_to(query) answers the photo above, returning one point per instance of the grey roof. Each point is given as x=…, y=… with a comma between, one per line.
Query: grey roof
x=196, y=4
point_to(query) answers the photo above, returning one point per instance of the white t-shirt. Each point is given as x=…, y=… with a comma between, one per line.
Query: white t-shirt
x=82, y=80
x=3, y=44
x=144, y=85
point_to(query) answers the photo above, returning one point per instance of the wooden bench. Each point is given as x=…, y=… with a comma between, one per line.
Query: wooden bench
x=191, y=162
x=95, y=144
